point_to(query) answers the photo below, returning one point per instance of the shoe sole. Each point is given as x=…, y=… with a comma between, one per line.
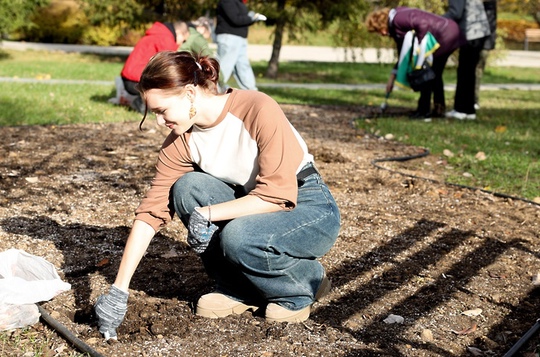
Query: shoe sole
x=215, y=314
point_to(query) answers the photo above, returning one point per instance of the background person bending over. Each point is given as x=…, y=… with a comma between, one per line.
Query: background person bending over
x=396, y=23
x=243, y=182
x=233, y=21
x=160, y=37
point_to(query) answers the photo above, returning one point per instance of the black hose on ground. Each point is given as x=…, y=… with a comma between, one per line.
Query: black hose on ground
x=517, y=346
x=426, y=153
x=68, y=335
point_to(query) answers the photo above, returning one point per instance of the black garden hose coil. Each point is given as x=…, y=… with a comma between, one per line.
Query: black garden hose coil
x=425, y=153
x=68, y=335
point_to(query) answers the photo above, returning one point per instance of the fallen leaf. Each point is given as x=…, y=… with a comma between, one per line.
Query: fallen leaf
x=427, y=335
x=475, y=351
x=473, y=312
x=32, y=179
x=170, y=254
x=467, y=174
x=102, y=262
x=448, y=153
x=500, y=128
x=496, y=276
x=480, y=156
x=60, y=348
x=536, y=199
x=466, y=331
x=389, y=136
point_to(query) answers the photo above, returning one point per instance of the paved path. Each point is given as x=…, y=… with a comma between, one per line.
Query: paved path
x=292, y=53
x=289, y=53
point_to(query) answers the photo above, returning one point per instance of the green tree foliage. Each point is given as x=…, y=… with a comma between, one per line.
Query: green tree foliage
x=172, y=10
x=111, y=12
x=296, y=17
x=15, y=13
x=61, y=21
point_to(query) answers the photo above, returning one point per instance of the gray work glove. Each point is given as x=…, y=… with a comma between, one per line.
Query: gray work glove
x=110, y=311
x=200, y=232
x=256, y=16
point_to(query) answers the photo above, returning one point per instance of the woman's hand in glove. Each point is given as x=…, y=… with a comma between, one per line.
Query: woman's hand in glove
x=110, y=311
x=200, y=232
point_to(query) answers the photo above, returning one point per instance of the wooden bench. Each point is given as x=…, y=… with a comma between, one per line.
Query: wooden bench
x=531, y=35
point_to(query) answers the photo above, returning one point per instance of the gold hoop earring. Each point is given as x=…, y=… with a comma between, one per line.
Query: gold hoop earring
x=192, y=111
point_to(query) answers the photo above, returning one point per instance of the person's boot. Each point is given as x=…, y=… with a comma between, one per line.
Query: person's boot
x=277, y=313
x=439, y=110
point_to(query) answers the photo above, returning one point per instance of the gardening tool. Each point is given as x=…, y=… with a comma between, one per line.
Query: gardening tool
x=384, y=105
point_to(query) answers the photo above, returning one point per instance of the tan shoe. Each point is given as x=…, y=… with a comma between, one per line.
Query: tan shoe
x=215, y=305
x=276, y=313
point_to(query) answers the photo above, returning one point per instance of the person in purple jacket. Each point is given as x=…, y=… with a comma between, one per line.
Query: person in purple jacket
x=233, y=21
x=396, y=23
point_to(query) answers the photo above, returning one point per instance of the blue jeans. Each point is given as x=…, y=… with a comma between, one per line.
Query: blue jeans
x=233, y=60
x=268, y=257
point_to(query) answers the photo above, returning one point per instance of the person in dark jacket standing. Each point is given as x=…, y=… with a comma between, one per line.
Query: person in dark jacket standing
x=473, y=23
x=396, y=23
x=233, y=21
x=160, y=37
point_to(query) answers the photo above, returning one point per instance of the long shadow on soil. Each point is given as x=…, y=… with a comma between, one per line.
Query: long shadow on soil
x=168, y=270
x=414, y=306
x=92, y=250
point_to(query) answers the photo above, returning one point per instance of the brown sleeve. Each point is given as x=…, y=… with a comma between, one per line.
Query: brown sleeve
x=280, y=153
x=173, y=162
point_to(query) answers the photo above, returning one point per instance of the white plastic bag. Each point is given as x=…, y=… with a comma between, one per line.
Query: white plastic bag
x=25, y=279
x=16, y=316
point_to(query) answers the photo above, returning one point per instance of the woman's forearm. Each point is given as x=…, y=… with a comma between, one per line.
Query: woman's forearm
x=139, y=238
x=243, y=206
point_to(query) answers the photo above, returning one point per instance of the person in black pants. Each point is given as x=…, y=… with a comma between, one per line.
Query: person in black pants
x=473, y=23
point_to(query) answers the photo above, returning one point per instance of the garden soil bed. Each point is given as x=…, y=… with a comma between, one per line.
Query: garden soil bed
x=457, y=264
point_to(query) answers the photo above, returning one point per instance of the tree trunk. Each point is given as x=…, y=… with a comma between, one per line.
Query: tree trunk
x=273, y=64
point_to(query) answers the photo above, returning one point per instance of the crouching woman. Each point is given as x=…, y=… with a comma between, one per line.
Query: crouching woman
x=243, y=182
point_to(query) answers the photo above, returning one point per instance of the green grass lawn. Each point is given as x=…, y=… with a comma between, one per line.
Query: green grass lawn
x=507, y=129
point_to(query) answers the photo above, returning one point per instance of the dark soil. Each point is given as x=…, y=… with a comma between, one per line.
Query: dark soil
x=410, y=247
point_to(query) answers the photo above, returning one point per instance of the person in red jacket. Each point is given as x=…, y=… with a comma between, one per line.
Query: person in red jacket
x=164, y=36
